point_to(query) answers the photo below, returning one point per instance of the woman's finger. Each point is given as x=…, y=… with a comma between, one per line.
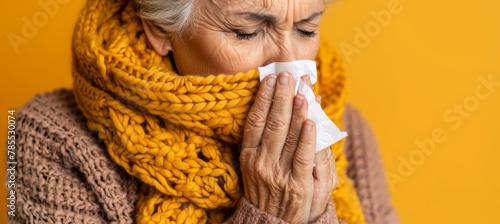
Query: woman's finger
x=307, y=80
x=323, y=161
x=301, y=178
x=278, y=120
x=323, y=173
x=333, y=169
x=299, y=115
x=247, y=161
x=257, y=116
x=303, y=159
x=318, y=99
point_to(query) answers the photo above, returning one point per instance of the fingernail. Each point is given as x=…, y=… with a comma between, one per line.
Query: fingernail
x=298, y=101
x=306, y=79
x=284, y=78
x=308, y=126
x=318, y=99
x=271, y=82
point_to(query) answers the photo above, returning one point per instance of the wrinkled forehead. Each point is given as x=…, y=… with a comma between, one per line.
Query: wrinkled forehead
x=281, y=9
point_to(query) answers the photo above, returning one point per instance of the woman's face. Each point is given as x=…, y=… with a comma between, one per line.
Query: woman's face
x=231, y=36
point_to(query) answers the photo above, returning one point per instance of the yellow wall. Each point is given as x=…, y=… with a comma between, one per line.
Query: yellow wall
x=410, y=75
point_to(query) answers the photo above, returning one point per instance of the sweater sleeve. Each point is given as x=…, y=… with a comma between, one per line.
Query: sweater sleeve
x=366, y=170
x=246, y=212
x=63, y=175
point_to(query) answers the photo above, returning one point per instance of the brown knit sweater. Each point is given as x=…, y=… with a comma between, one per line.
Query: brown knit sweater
x=66, y=176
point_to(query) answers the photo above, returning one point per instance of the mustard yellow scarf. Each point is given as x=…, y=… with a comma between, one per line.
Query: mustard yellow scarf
x=177, y=134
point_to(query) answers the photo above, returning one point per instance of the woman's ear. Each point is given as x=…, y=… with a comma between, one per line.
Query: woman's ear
x=160, y=41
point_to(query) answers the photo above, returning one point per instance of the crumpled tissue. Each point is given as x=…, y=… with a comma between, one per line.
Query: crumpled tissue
x=326, y=131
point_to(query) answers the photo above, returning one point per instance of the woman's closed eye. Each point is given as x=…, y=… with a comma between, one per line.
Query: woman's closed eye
x=241, y=35
x=306, y=33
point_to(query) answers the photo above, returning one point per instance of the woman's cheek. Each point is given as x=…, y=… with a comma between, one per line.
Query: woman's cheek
x=233, y=58
x=309, y=48
x=224, y=58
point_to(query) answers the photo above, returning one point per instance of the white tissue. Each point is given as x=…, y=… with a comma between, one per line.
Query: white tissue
x=327, y=132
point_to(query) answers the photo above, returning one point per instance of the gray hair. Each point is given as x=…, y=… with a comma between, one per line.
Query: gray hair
x=171, y=16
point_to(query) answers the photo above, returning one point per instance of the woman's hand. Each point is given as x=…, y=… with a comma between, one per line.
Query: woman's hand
x=325, y=176
x=325, y=181
x=278, y=155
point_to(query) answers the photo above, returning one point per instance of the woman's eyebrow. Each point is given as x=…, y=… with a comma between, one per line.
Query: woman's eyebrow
x=272, y=19
x=311, y=17
x=258, y=16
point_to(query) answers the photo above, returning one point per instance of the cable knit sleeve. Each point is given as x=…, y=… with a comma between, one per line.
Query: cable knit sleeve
x=366, y=170
x=63, y=176
x=248, y=213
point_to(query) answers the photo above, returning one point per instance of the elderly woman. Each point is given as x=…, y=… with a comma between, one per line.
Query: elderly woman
x=168, y=122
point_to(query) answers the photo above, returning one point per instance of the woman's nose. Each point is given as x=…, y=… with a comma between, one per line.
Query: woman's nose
x=283, y=50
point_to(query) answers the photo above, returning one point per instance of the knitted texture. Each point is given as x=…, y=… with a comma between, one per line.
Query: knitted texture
x=65, y=174
x=248, y=213
x=364, y=167
x=177, y=134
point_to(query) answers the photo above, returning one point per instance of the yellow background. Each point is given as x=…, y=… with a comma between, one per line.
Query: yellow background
x=428, y=58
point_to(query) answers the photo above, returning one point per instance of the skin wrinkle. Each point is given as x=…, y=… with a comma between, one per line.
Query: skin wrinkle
x=235, y=36
x=293, y=136
x=354, y=161
x=276, y=197
x=294, y=199
x=262, y=190
x=216, y=49
x=278, y=118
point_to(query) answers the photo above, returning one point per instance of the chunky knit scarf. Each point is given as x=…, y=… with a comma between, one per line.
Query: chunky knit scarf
x=178, y=134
